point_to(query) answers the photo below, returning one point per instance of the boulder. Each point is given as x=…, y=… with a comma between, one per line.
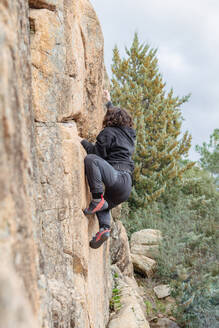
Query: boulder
x=146, y=237
x=146, y=242
x=162, y=291
x=151, y=251
x=143, y=265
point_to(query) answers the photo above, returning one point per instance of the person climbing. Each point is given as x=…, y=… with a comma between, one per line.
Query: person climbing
x=109, y=167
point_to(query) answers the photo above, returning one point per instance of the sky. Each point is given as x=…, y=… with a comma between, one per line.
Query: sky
x=186, y=36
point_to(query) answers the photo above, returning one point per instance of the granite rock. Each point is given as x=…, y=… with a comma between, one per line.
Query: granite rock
x=51, y=82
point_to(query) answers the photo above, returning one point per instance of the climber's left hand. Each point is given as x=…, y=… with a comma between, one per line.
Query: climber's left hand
x=106, y=95
x=79, y=138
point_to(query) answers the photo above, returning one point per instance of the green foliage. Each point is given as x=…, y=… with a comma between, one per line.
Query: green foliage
x=169, y=193
x=187, y=213
x=149, y=307
x=210, y=154
x=138, y=86
x=115, y=303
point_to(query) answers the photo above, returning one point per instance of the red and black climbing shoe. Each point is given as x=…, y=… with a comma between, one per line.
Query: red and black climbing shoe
x=100, y=237
x=96, y=205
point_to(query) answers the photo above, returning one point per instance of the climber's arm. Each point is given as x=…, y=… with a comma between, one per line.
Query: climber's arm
x=107, y=98
x=88, y=146
x=102, y=145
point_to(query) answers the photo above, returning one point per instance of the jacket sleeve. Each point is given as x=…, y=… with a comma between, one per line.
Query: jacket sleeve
x=102, y=145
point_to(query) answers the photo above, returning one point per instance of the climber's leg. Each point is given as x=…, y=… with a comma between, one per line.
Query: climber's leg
x=117, y=190
x=114, y=196
x=104, y=231
x=99, y=173
x=104, y=219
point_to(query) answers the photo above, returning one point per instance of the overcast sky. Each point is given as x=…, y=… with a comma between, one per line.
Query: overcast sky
x=186, y=34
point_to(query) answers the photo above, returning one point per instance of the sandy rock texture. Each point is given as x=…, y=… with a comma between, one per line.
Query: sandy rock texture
x=51, y=81
x=18, y=253
x=67, y=63
x=15, y=308
x=162, y=291
x=144, y=248
x=143, y=265
x=130, y=311
x=119, y=249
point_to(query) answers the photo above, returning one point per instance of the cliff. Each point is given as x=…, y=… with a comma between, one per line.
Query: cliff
x=52, y=78
x=51, y=82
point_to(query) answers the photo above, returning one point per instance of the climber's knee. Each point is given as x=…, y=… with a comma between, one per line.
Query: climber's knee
x=90, y=158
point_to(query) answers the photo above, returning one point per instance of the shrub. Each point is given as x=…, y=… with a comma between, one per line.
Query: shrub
x=187, y=214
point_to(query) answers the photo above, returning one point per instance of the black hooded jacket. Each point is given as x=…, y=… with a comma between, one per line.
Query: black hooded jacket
x=115, y=145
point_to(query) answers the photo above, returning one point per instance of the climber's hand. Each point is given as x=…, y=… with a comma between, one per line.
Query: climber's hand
x=106, y=95
x=79, y=138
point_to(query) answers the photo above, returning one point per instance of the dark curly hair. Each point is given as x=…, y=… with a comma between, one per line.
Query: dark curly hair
x=116, y=116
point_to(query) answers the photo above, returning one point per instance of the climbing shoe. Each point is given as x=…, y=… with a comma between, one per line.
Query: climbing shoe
x=100, y=237
x=96, y=205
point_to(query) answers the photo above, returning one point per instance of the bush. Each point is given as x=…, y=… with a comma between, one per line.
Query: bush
x=187, y=214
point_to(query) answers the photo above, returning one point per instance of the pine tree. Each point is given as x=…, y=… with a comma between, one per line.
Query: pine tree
x=138, y=86
x=209, y=159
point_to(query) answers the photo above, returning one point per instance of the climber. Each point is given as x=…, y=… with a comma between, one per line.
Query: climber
x=109, y=167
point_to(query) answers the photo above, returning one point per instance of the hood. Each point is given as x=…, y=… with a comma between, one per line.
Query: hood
x=130, y=132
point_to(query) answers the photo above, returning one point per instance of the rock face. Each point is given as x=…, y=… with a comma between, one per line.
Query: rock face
x=18, y=251
x=15, y=310
x=132, y=310
x=51, y=82
x=67, y=63
x=119, y=249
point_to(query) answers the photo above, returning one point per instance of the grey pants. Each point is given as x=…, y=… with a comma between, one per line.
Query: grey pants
x=117, y=184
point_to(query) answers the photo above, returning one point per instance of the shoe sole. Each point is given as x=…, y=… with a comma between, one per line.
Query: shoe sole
x=97, y=244
x=87, y=212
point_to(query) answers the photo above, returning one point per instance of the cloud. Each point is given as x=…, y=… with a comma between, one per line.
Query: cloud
x=186, y=35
